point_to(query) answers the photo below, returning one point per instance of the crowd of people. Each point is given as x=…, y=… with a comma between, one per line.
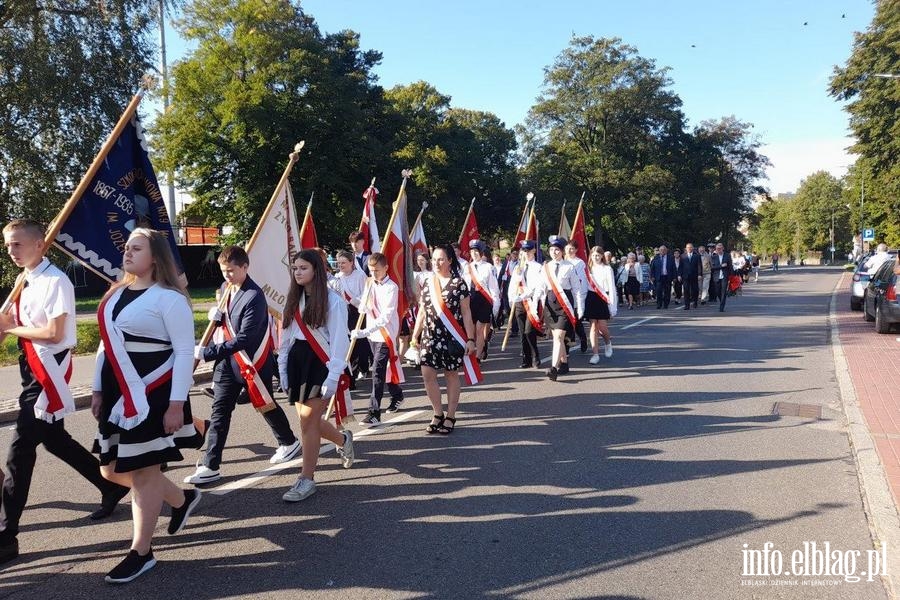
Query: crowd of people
x=337, y=330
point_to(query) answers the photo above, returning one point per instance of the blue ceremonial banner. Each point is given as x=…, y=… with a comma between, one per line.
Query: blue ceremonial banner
x=123, y=195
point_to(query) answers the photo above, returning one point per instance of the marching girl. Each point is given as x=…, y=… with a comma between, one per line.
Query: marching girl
x=561, y=293
x=601, y=303
x=140, y=393
x=484, y=299
x=350, y=283
x=444, y=330
x=311, y=361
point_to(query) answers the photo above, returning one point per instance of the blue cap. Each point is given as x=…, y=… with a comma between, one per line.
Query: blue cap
x=477, y=245
x=529, y=245
x=558, y=241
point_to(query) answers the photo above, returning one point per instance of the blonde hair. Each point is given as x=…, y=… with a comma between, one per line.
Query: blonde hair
x=597, y=250
x=31, y=227
x=165, y=271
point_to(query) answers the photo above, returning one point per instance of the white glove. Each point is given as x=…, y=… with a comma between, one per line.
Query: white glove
x=215, y=315
x=329, y=387
x=198, y=353
x=356, y=334
x=283, y=380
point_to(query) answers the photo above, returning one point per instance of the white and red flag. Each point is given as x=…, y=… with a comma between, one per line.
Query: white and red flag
x=398, y=251
x=368, y=225
x=469, y=231
x=417, y=235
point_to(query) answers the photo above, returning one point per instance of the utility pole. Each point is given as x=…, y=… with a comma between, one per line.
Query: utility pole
x=170, y=177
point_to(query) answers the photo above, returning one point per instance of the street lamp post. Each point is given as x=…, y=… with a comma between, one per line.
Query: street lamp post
x=832, y=236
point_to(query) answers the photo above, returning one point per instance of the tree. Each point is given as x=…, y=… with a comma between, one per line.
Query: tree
x=818, y=198
x=873, y=104
x=67, y=71
x=262, y=78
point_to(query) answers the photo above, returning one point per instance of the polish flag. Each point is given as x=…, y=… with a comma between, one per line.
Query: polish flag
x=398, y=252
x=579, y=236
x=368, y=225
x=308, y=237
x=469, y=231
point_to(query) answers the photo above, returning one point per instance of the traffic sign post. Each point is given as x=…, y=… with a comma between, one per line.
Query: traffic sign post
x=869, y=234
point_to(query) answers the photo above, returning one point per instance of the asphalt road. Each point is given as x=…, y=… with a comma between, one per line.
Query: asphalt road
x=642, y=477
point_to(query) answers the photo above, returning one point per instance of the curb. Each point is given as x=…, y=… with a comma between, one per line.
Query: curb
x=82, y=396
x=878, y=502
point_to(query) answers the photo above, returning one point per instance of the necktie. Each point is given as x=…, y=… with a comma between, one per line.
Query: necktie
x=557, y=269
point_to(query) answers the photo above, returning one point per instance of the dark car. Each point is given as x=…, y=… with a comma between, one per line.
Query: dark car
x=858, y=285
x=881, y=303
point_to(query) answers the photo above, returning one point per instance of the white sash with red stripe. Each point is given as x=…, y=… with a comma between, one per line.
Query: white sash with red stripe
x=259, y=395
x=322, y=349
x=473, y=273
x=132, y=407
x=55, y=400
x=531, y=309
x=394, y=371
x=560, y=294
x=471, y=368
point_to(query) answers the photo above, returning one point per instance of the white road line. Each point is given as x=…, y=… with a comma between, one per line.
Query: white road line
x=636, y=323
x=276, y=469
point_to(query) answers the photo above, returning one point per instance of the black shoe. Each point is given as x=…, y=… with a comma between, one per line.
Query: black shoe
x=372, y=418
x=536, y=364
x=180, y=515
x=551, y=373
x=209, y=392
x=563, y=368
x=524, y=365
x=243, y=397
x=132, y=566
x=394, y=406
x=583, y=345
x=109, y=502
x=9, y=550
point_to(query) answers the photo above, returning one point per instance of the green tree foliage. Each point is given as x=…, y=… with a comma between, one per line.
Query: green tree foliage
x=262, y=78
x=67, y=70
x=874, y=105
x=608, y=124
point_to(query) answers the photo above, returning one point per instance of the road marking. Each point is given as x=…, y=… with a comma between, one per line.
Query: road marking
x=297, y=462
x=636, y=323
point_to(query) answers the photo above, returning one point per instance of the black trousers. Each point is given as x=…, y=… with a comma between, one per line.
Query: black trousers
x=527, y=336
x=691, y=290
x=662, y=287
x=29, y=434
x=361, y=358
x=379, y=372
x=226, y=390
x=721, y=286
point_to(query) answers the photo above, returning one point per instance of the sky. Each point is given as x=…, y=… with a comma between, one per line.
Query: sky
x=767, y=62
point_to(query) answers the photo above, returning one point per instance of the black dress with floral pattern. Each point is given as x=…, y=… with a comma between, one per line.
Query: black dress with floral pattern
x=436, y=340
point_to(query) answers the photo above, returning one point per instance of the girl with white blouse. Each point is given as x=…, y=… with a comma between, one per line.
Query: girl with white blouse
x=601, y=303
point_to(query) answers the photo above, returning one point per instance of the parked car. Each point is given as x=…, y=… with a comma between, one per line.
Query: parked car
x=881, y=303
x=861, y=280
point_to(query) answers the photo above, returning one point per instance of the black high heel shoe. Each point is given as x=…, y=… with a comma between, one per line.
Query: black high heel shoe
x=435, y=427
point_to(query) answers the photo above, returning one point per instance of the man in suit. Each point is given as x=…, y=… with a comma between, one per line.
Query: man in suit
x=247, y=322
x=721, y=270
x=357, y=241
x=662, y=270
x=691, y=272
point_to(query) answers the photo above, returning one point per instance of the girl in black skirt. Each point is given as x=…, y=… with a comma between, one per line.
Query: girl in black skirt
x=313, y=311
x=596, y=309
x=140, y=392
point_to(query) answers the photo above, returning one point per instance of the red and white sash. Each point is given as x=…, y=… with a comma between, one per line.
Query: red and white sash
x=322, y=349
x=132, y=407
x=560, y=294
x=473, y=273
x=471, y=368
x=595, y=287
x=55, y=400
x=531, y=310
x=260, y=397
x=394, y=371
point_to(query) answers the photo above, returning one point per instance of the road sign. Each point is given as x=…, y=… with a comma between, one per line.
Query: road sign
x=869, y=234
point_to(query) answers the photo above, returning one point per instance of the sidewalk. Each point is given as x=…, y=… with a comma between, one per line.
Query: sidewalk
x=874, y=363
x=82, y=377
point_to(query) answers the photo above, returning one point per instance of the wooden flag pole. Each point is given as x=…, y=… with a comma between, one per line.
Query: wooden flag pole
x=365, y=297
x=70, y=204
x=419, y=218
x=292, y=159
x=512, y=309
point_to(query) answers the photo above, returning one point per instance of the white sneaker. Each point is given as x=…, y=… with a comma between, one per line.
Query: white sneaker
x=595, y=359
x=346, y=451
x=304, y=488
x=285, y=453
x=608, y=352
x=203, y=474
